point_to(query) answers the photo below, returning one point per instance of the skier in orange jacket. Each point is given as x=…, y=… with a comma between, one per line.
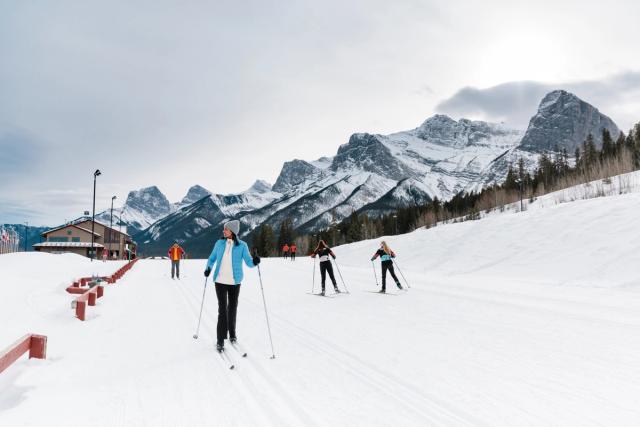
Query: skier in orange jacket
x=175, y=254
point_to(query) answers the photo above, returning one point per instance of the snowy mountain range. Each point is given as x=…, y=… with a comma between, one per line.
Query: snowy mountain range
x=371, y=173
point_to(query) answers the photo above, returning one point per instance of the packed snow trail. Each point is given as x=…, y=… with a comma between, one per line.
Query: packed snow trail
x=517, y=319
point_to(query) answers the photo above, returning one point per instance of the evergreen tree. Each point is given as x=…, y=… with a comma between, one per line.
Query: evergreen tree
x=286, y=233
x=510, y=181
x=608, y=148
x=354, y=230
x=592, y=151
x=265, y=241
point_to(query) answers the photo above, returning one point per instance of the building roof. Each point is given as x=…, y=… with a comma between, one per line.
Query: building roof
x=70, y=225
x=67, y=245
x=88, y=219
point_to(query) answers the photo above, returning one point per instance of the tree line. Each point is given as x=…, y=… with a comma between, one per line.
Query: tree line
x=554, y=171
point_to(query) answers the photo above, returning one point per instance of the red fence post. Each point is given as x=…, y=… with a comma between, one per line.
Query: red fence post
x=80, y=309
x=38, y=348
x=35, y=344
x=92, y=298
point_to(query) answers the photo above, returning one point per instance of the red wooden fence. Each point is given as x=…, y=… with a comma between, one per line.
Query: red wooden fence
x=36, y=345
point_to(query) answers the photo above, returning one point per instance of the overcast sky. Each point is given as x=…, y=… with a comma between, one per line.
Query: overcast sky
x=221, y=93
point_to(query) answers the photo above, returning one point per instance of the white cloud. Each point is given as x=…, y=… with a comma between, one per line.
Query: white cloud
x=515, y=102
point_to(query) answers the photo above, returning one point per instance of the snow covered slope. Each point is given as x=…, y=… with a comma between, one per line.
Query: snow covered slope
x=526, y=318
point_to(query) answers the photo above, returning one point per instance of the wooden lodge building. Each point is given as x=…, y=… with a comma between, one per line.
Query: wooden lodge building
x=75, y=237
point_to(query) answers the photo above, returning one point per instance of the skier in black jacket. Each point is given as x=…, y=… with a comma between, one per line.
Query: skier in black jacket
x=386, y=257
x=324, y=252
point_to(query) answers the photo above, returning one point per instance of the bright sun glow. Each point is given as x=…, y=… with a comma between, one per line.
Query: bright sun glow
x=522, y=56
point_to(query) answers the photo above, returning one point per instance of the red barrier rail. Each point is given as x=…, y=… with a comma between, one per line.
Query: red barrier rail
x=35, y=344
x=89, y=295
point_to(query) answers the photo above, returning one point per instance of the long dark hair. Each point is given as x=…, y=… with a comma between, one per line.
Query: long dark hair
x=321, y=245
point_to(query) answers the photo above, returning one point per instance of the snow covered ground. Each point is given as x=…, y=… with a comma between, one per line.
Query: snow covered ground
x=528, y=318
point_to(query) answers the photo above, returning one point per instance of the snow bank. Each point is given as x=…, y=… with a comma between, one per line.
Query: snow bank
x=527, y=318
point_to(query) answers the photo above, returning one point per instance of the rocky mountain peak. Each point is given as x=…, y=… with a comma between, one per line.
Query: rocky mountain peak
x=293, y=173
x=194, y=194
x=365, y=152
x=565, y=120
x=149, y=200
x=443, y=130
x=260, y=186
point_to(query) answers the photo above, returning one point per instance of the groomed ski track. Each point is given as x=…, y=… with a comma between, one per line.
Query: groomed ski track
x=517, y=319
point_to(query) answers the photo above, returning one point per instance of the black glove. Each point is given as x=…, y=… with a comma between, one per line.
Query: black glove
x=256, y=260
x=334, y=257
x=207, y=272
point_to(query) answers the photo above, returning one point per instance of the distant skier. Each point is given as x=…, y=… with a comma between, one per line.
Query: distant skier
x=175, y=253
x=227, y=255
x=386, y=257
x=285, y=251
x=292, y=250
x=324, y=252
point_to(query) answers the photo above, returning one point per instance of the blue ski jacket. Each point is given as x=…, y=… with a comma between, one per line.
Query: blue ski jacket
x=239, y=252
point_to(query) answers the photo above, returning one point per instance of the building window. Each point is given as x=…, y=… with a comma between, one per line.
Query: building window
x=75, y=239
x=69, y=233
x=58, y=239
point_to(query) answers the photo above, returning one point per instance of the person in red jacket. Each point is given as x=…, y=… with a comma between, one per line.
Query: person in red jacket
x=285, y=251
x=175, y=254
x=292, y=250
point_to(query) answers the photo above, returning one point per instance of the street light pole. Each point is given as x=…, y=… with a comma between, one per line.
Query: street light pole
x=96, y=174
x=396, y=218
x=26, y=228
x=111, y=226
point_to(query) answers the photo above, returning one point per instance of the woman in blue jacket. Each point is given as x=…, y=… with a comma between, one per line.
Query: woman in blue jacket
x=227, y=255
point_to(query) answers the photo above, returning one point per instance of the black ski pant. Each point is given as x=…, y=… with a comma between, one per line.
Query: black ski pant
x=388, y=266
x=227, y=309
x=175, y=268
x=293, y=256
x=326, y=267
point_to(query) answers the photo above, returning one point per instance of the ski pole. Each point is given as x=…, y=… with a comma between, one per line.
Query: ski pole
x=313, y=287
x=266, y=314
x=400, y=271
x=343, y=284
x=195, y=336
x=375, y=275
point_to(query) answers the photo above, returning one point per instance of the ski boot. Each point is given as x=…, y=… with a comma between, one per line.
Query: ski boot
x=399, y=286
x=335, y=288
x=321, y=293
x=382, y=291
x=220, y=347
x=233, y=340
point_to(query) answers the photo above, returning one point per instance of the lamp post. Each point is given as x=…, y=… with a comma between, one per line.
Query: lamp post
x=26, y=228
x=111, y=226
x=96, y=174
x=396, y=218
